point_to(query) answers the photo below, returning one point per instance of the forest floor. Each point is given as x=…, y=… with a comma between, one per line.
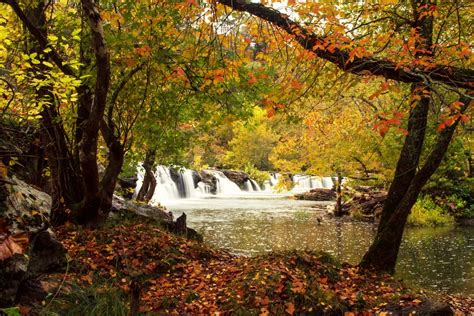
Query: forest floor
x=178, y=276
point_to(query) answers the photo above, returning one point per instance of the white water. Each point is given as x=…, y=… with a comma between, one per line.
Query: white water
x=170, y=189
x=224, y=185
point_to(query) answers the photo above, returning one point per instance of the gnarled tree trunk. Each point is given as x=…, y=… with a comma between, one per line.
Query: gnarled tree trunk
x=149, y=182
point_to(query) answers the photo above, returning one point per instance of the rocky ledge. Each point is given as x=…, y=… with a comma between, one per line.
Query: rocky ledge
x=317, y=195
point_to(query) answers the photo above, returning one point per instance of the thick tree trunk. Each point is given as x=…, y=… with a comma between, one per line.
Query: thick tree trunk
x=65, y=182
x=89, y=210
x=149, y=182
x=410, y=153
x=383, y=252
x=405, y=187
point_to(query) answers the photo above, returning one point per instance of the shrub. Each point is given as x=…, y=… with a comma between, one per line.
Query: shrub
x=426, y=212
x=255, y=174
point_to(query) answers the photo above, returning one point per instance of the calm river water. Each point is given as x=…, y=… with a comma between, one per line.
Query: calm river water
x=439, y=259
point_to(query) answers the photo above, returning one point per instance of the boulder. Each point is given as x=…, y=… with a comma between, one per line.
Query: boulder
x=238, y=177
x=159, y=213
x=209, y=179
x=196, y=178
x=128, y=186
x=23, y=210
x=152, y=213
x=317, y=195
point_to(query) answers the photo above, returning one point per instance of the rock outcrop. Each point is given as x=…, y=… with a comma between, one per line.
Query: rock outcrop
x=30, y=248
x=119, y=204
x=209, y=179
x=317, y=195
x=238, y=177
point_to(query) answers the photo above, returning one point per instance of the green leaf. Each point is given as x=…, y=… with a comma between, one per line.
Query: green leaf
x=11, y=311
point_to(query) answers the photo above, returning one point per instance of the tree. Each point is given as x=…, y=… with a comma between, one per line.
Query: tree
x=424, y=73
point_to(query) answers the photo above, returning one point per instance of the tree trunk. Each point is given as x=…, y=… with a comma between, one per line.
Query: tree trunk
x=383, y=252
x=149, y=182
x=112, y=171
x=404, y=191
x=89, y=211
x=338, y=209
x=65, y=189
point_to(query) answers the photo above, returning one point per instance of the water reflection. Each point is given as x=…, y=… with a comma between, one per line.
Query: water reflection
x=439, y=259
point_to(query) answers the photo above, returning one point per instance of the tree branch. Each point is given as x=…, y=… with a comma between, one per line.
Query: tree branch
x=452, y=76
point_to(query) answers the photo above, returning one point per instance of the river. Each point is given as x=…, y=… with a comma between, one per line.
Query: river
x=439, y=259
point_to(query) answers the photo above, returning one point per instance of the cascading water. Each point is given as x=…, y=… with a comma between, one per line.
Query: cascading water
x=305, y=183
x=255, y=185
x=166, y=189
x=224, y=185
x=328, y=183
x=251, y=186
x=173, y=184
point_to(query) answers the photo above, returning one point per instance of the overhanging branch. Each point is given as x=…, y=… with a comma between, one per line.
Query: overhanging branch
x=451, y=76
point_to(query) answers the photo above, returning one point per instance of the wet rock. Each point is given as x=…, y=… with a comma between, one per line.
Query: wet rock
x=179, y=227
x=317, y=195
x=196, y=178
x=238, y=177
x=209, y=179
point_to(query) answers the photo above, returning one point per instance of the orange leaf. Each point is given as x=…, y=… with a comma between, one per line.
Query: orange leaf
x=13, y=244
x=290, y=308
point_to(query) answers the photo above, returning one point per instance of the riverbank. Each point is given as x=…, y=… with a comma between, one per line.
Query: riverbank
x=109, y=267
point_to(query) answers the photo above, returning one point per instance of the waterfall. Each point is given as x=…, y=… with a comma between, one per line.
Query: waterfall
x=316, y=182
x=328, y=183
x=224, y=185
x=301, y=183
x=248, y=186
x=173, y=184
x=251, y=186
x=188, y=181
x=305, y=183
x=255, y=185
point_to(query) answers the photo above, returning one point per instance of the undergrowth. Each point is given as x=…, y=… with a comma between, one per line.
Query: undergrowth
x=426, y=212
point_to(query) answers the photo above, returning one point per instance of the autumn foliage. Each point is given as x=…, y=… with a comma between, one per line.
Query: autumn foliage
x=179, y=276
